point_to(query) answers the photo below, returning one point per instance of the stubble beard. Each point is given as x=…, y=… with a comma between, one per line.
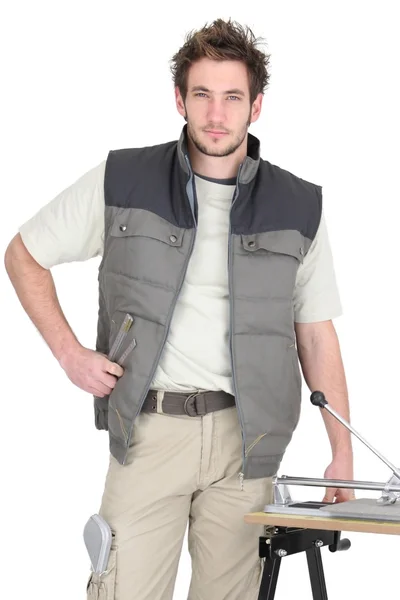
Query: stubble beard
x=215, y=151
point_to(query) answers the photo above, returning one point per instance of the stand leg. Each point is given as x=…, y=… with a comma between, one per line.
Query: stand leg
x=316, y=571
x=269, y=579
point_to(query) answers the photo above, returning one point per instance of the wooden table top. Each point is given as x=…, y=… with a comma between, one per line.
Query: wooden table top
x=329, y=523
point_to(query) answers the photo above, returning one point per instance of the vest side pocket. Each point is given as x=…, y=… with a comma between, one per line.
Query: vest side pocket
x=122, y=334
x=122, y=343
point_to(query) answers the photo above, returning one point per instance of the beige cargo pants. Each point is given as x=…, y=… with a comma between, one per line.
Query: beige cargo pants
x=182, y=468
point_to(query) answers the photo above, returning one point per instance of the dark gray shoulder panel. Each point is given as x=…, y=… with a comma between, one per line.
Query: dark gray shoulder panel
x=152, y=179
x=276, y=199
x=148, y=178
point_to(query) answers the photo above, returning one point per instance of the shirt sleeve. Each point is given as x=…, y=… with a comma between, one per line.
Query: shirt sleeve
x=71, y=226
x=316, y=295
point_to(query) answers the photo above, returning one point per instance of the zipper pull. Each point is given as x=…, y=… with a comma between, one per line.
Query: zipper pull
x=241, y=476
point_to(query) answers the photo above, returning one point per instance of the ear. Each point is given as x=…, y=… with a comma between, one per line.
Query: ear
x=180, y=105
x=256, y=108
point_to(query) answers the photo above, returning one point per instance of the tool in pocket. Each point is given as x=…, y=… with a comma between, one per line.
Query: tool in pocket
x=120, y=337
x=97, y=536
x=100, y=544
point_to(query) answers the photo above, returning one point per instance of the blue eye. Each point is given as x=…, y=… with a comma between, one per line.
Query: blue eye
x=203, y=94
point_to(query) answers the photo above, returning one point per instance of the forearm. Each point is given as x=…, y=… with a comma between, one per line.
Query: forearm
x=323, y=370
x=36, y=291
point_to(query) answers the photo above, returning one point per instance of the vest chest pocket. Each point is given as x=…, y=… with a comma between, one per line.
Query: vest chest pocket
x=143, y=246
x=269, y=262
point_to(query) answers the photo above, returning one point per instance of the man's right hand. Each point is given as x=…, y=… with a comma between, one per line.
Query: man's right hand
x=91, y=371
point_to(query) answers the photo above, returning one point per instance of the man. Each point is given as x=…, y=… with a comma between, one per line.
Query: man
x=215, y=263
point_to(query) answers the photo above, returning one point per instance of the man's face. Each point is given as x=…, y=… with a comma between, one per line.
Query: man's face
x=217, y=106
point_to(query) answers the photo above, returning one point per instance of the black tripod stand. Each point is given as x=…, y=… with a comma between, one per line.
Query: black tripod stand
x=284, y=541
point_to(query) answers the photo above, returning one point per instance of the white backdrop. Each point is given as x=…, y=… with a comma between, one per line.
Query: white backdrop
x=80, y=78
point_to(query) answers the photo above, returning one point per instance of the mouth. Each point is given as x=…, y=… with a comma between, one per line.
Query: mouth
x=215, y=133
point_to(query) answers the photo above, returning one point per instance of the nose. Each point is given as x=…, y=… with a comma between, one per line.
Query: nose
x=216, y=110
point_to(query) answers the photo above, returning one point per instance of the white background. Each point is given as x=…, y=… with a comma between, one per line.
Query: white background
x=82, y=78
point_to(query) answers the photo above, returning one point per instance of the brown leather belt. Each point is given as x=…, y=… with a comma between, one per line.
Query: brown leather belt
x=196, y=404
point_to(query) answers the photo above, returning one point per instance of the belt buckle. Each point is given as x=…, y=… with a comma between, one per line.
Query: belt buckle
x=191, y=406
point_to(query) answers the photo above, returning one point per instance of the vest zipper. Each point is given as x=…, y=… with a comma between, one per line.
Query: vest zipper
x=147, y=387
x=239, y=410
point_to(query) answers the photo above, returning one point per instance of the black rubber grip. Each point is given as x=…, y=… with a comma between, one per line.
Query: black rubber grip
x=318, y=399
x=340, y=545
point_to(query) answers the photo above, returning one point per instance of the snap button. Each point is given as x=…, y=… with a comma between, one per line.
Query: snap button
x=251, y=244
x=122, y=227
x=173, y=238
x=302, y=251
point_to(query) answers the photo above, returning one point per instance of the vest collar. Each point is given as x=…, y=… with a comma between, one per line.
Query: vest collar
x=249, y=166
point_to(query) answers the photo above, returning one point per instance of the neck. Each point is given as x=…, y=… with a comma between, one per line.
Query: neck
x=217, y=167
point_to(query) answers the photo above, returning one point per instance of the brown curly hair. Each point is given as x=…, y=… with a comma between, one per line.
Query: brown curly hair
x=222, y=40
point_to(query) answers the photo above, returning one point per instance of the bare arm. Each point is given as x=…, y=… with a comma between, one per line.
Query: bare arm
x=321, y=361
x=323, y=370
x=36, y=291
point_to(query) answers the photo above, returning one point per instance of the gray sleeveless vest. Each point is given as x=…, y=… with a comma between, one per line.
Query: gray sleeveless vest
x=150, y=230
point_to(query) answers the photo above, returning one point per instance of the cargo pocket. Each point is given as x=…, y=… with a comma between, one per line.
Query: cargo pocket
x=101, y=586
